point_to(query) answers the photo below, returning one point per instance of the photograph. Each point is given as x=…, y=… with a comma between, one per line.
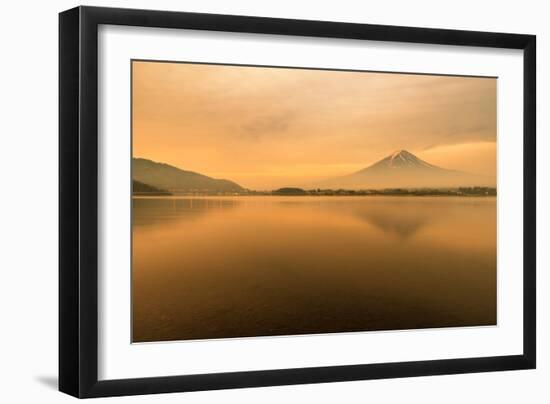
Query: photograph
x=277, y=201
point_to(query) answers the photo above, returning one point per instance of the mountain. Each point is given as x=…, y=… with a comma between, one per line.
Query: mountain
x=403, y=169
x=139, y=188
x=173, y=179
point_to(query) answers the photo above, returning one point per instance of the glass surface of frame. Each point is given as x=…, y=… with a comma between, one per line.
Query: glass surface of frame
x=290, y=204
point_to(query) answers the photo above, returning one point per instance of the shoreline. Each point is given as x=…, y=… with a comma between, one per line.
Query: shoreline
x=142, y=195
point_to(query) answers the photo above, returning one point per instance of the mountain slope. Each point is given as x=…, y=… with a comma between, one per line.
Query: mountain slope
x=164, y=176
x=401, y=159
x=403, y=169
x=140, y=188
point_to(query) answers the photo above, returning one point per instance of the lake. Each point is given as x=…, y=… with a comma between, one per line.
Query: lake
x=220, y=267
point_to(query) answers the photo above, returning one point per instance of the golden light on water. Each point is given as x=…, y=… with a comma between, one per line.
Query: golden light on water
x=246, y=266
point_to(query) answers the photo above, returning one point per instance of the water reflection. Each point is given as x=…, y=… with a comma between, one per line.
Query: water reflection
x=248, y=266
x=164, y=210
x=403, y=222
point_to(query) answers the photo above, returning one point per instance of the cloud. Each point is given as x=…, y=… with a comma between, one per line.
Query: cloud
x=268, y=124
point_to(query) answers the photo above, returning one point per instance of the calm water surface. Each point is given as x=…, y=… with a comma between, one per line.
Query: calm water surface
x=218, y=267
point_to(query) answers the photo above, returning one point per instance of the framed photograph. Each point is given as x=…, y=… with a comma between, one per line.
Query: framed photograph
x=250, y=201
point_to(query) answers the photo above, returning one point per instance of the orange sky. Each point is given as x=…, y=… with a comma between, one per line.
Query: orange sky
x=271, y=127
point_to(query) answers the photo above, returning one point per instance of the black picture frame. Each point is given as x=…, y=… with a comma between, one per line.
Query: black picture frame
x=78, y=201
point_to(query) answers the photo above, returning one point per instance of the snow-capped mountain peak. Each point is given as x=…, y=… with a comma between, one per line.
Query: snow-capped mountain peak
x=402, y=159
x=402, y=169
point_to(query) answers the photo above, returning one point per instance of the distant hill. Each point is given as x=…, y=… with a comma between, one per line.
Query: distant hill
x=139, y=188
x=173, y=179
x=403, y=169
x=289, y=191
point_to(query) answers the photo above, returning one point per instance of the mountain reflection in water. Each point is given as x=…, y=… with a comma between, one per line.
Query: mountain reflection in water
x=220, y=267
